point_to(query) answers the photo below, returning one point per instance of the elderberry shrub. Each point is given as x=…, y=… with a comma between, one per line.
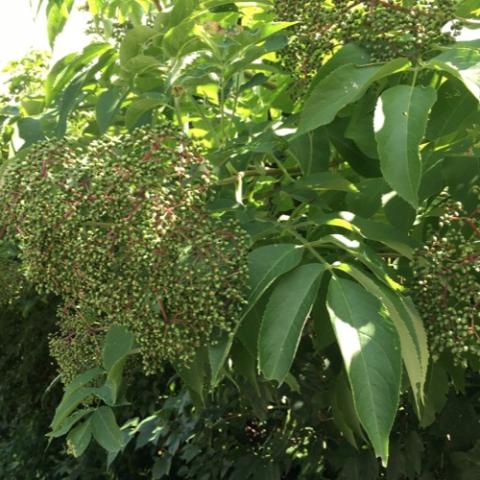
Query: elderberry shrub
x=120, y=231
x=385, y=28
x=446, y=286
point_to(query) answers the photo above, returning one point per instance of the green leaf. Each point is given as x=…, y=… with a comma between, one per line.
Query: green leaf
x=118, y=344
x=83, y=379
x=31, y=130
x=400, y=122
x=311, y=151
x=69, y=99
x=468, y=8
x=59, y=75
x=69, y=422
x=217, y=356
x=194, y=375
x=349, y=151
x=370, y=349
x=94, y=6
x=365, y=255
x=133, y=42
x=399, y=213
x=140, y=64
x=68, y=404
x=368, y=201
x=266, y=264
x=162, y=467
x=179, y=41
x=285, y=316
x=327, y=181
x=249, y=328
x=453, y=110
x=245, y=364
x=181, y=10
x=350, y=54
x=360, y=127
x=343, y=86
x=141, y=106
x=461, y=62
x=108, y=104
x=343, y=410
x=114, y=380
x=69, y=66
x=371, y=230
x=79, y=438
x=407, y=322
x=58, y=12
x=436, y=394
x=106, y=430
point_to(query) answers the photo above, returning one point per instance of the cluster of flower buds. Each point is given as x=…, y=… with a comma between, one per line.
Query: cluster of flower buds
x=446, y=284
x=385, y=28
x=120, y=231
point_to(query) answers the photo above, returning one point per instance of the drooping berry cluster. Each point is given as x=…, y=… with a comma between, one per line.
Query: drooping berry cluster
x=385, y=28
x=12, y=281
x=446, y=286
x=120, y=231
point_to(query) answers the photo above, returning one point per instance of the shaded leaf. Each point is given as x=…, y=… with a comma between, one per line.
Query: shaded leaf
x=140, y=107
x=68, y=404
x=284, y=318
x=118, y=344
x=69, y=422
x=453, y=110
x=311, y=151
x=106, y=430
x=267, y=263
x=108, y=104
x=79, y=438
x=194, y=375
x=133, y=41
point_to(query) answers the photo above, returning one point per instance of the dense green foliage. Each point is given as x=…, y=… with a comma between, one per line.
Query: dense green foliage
x=278, y=221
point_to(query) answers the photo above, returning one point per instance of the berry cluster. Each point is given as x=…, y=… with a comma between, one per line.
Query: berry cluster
x=446, y=286
x=385, y=28
x=12, y=281
x=120, y=231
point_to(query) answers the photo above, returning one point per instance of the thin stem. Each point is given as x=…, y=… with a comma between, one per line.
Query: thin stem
x=200, y=111
x=235, y=100
x=280, y=166
x=415, y=76
x=256, y=173
x=221, y=100
x=178, y=113
x=307, y=245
